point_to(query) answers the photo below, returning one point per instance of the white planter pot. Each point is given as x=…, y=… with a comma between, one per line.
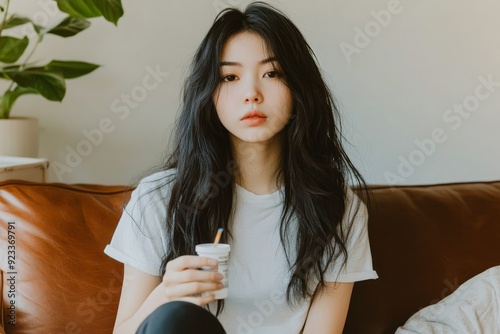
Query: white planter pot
x=19, y=137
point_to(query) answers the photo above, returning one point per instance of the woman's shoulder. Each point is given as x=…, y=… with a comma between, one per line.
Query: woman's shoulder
x=354, y=205
x=160, y=176
x=158, y=182
x=351, y=195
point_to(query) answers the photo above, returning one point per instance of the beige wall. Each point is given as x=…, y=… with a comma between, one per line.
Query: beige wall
x=411, y=78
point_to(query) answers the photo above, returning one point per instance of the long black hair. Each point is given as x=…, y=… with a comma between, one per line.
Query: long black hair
x=315, y=169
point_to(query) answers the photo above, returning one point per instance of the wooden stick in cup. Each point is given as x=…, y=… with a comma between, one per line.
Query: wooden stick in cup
x=217, y=237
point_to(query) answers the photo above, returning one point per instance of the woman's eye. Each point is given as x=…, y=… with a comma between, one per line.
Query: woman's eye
x=229, y=78
x=272, y=74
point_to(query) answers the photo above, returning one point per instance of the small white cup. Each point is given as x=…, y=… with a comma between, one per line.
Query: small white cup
x=221, y=254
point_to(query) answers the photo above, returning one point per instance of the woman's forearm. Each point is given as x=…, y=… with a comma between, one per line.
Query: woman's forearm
x=131, y=324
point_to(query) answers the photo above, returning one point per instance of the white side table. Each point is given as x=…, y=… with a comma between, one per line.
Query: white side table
x=28, y=169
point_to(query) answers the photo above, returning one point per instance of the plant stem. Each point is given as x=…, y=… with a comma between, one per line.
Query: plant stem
x=25, y=62
x=4, y=113
x=6, y=9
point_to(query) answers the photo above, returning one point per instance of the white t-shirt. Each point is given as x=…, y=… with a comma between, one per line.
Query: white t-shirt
x=257, y=274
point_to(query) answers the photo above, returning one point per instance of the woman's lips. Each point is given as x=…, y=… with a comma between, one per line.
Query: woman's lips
x=254, y=117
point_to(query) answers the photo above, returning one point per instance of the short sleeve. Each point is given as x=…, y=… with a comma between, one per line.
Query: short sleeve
x=359, y=259
x=140, y=236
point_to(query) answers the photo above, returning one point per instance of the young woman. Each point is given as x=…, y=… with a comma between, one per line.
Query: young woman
x=258, y=152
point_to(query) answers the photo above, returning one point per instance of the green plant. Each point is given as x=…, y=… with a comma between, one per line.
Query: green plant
x=47, y=80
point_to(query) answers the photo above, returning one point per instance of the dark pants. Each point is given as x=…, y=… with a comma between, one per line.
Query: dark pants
x=180, y=318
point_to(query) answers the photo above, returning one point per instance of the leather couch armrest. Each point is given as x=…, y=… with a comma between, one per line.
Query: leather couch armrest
x=62, y=229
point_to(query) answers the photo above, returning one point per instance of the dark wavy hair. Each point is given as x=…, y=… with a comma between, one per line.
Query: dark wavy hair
x=314, y=172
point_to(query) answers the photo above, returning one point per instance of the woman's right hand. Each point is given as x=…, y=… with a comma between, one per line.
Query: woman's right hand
x=184, y=280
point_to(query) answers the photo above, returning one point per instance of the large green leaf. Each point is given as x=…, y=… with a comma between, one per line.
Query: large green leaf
x=49, y=84
x=71, y=69
x=70, y=26
x=11, y=48
x=112, y=10
x=10, y=97
x=79, y=8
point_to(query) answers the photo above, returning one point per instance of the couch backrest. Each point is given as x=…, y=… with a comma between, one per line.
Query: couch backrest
x=60, y=280
x=425, y=242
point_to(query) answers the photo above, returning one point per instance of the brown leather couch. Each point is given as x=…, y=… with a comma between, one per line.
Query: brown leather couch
x=425, y=240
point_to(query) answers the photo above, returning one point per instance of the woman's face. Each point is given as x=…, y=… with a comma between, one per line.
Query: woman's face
x=252, y=101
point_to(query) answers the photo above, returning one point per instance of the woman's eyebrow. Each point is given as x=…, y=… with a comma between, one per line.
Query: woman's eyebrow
x=234, y=63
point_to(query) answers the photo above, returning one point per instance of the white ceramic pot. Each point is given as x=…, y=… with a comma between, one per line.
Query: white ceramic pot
x=19, y=137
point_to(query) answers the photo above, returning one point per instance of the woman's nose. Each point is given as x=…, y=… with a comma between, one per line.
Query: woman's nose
x=253, y=94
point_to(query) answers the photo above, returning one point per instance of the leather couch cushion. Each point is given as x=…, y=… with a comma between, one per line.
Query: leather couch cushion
x=64, y=281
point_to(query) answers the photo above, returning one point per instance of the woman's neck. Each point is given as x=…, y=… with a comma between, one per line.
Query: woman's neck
x=258, y=164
